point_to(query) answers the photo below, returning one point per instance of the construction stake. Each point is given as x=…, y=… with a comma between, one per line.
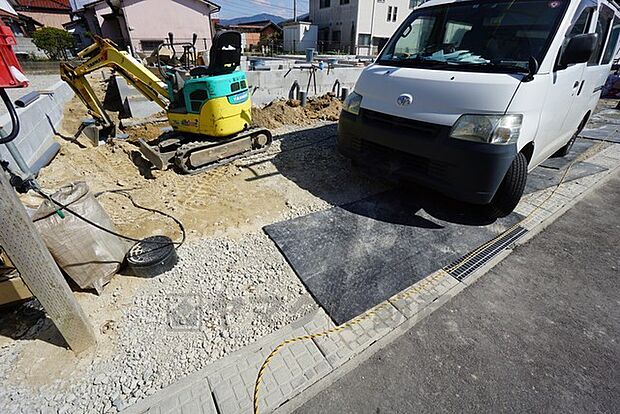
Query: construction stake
x=24, y=246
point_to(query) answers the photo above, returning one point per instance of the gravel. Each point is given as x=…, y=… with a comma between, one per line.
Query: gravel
x=223, y=295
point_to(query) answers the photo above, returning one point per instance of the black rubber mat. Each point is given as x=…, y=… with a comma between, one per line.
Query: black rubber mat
x=550, y=172
x=579, y=147
x=609, y=133
x=355, y=256
x=545, y=177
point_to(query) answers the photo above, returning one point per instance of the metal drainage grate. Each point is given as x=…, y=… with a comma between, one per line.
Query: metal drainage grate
x=468, y=265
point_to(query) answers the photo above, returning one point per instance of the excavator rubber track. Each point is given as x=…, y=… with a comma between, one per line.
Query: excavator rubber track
x=195, y=156
x=198, y=157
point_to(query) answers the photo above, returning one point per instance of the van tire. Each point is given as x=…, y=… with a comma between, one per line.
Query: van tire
x=511, y=189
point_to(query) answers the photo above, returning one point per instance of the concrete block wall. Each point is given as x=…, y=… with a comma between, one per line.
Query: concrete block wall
x=270, y=85
x=35, y=141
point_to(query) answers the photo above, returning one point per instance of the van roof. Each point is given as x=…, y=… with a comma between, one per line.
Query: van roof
x=430, y=3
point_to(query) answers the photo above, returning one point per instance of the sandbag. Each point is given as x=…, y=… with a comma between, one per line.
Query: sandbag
x=88, y=255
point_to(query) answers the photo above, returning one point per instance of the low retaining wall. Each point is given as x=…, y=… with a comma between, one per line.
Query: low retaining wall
x=269, y=85
x=35, y=141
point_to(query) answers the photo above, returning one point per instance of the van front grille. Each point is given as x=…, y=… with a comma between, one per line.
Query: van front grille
x=409, y=162
x=419, y=128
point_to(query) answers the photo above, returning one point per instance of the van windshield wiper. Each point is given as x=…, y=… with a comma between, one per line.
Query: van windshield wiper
x=508, y=67
x=416, y=61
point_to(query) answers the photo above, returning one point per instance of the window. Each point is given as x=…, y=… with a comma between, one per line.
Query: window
x=495, y=37
x=603, y=25
x=150, y=45
x=363, y=39
x=612, y=44
x=323, y=4
x=411, y=45
x=582, y=24
x=455, y=32
x=392, y=12
x=342, y=2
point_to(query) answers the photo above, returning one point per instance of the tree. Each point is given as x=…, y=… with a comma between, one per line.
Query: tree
x=54, y=42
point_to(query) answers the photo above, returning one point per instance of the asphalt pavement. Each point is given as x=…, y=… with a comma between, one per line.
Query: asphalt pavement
x=539, y=333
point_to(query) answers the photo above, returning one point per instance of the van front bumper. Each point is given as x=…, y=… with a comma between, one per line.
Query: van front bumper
x=424, y=153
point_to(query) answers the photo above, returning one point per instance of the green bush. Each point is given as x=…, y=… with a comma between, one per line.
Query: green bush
x=54, y=42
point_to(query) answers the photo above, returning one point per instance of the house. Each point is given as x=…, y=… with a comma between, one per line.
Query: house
x=141, y=25
x=30, y=15
x=358, y=26
x=51, y=13
x=253, y=32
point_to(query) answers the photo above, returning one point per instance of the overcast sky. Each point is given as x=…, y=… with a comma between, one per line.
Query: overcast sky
x=240, y=8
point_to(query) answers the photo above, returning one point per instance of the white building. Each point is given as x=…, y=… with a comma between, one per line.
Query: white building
x=299, y=36
x=358, y=26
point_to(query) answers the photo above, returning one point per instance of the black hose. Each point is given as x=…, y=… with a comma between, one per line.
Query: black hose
x=152, y=210
x=14, y=119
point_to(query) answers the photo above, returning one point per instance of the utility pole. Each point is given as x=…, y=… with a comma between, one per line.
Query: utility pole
x=294, y=10
x=27, y=251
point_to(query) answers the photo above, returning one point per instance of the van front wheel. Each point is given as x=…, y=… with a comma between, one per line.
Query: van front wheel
x=511, y=189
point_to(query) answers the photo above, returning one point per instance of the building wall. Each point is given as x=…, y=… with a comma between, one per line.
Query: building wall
x=153, y=19
x=49, y=19
x=251, y=39
x=298, y=37
x=366, y=17
x=337, y=24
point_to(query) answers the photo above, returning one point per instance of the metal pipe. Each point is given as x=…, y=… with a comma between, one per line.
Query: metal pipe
x=27, y=99
x=303, y=98
x=345, y=93
x=17, y=156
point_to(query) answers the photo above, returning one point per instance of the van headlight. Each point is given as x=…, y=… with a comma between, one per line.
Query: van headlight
x=492, y=129
x=352, y=103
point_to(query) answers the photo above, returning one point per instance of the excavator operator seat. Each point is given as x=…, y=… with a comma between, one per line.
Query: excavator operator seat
x=224, y=56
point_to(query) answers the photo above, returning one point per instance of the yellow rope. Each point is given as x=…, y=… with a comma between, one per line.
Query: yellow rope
x=404, y=295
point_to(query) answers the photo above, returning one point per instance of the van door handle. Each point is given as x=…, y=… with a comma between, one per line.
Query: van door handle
x=581, y=87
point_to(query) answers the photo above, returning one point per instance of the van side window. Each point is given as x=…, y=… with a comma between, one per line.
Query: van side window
x=603, y=25
x=612, y=44
x=582, y=24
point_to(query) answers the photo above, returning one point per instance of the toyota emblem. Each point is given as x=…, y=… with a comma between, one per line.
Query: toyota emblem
x=404, y=100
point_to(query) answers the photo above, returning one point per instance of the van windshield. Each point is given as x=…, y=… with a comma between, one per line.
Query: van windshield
x=481, y=36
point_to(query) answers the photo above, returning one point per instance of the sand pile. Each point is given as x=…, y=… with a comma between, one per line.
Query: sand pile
x=282, y=112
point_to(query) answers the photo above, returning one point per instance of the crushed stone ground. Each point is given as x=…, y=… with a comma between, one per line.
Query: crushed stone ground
x=243, y=287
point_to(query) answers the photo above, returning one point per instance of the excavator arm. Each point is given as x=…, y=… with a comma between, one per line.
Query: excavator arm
x=101, y=54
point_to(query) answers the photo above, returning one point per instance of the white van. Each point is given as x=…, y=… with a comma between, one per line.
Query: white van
x=468, y=96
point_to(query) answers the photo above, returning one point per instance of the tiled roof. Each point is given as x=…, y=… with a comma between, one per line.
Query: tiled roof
x=43, y=4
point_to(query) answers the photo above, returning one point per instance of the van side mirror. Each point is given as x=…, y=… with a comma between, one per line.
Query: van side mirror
x=579, y=49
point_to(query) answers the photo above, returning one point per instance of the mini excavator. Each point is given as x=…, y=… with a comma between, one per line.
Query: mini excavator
x=208, y=107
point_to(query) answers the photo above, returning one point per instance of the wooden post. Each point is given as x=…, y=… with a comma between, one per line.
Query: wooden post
x=24, y=246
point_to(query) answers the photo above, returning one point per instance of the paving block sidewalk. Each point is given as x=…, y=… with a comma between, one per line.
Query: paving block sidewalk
x=227, y=385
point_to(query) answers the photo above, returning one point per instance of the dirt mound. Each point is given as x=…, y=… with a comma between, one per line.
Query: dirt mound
x=282, y=112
